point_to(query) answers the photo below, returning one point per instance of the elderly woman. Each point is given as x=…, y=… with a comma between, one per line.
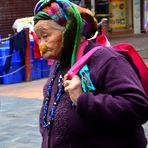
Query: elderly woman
x=111, y=112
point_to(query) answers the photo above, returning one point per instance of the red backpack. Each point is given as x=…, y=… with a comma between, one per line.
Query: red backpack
x=126, y=49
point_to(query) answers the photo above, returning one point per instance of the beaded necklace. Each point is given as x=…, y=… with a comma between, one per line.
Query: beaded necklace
x=46, y=124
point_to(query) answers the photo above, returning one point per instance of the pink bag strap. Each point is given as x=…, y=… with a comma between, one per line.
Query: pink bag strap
x=80, y=63
x=81, y=49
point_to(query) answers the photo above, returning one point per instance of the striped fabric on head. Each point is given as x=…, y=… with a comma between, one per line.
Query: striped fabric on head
x=56, y=13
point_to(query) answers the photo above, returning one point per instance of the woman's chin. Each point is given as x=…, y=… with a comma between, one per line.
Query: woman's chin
x=47, y=56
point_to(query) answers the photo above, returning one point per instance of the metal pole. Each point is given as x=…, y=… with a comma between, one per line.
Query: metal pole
x=28, y=66
x=93, y=6
x=82, y=3
x=104, y=27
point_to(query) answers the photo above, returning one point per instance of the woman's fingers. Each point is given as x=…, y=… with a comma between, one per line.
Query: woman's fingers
x=66, y=83
x=65, y=77
x=73, y=88
x=72, y=84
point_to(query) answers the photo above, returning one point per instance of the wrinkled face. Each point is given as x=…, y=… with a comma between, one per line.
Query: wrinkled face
x=49, y=34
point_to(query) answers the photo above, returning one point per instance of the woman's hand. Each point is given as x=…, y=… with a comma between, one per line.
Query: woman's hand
x=73, y=88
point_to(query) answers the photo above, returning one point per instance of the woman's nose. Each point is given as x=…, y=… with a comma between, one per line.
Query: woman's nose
x=41, y=41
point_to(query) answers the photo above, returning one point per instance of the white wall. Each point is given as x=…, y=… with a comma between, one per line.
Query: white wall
x=93, y=6
x=136, y=16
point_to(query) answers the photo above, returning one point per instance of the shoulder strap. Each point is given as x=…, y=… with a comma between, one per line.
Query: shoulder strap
x=81, y=62
x=81, y=49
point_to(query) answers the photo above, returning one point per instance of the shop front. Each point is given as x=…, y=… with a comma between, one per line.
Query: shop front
x=120, y=19
x=118, y=12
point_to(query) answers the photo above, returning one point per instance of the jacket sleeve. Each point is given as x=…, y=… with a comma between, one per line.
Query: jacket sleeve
x=120, y=101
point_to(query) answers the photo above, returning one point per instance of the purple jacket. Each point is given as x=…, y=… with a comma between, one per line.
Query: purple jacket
x=110, y=118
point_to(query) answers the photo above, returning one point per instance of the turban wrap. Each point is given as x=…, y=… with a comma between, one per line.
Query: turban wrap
x=77, y=21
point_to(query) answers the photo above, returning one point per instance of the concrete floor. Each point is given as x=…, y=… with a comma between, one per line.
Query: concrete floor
x=30, y=89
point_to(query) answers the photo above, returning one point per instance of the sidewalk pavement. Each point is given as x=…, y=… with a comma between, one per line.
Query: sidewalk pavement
x=29, y=89
x=20, y=104
x=19, y=114
x=139, y=41
x=19, y=123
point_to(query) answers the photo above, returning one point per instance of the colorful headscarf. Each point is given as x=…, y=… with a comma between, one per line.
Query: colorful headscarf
x=76, y=20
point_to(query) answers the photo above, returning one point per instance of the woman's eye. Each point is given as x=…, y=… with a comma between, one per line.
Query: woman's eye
x=45, y=36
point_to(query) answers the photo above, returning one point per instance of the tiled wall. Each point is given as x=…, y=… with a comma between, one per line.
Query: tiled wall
x=10, y=10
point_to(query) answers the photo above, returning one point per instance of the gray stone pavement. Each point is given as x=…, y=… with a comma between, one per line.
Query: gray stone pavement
x=19, y=123
x=139, y=41
x=145, y=126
